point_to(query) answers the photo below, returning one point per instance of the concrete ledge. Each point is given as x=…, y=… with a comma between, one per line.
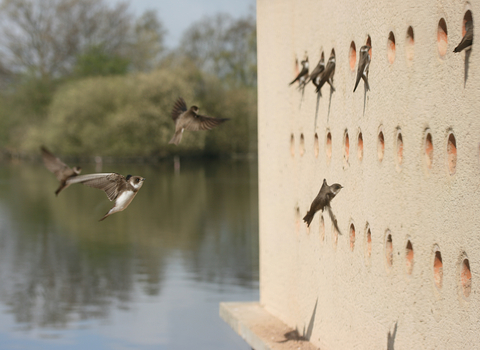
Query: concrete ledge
x=260, y=329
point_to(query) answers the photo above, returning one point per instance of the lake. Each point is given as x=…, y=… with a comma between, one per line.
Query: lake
x=150, y=277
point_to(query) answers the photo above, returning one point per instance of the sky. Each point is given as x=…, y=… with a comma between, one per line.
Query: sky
x=177, y=15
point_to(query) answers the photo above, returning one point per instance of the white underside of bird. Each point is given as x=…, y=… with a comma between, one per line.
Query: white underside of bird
x=122, y=201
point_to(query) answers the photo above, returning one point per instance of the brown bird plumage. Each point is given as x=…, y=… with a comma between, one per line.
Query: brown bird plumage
x=467, y=39
x=117, y=188
x=190, y=120
x=61, y=171
x=363, y=65
x=316, y=75
x=322, y=201
x=301, y=77
x=327, y=75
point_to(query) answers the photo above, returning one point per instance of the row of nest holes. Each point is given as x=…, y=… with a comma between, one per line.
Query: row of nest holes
x=427, y=142
x=442, y=42
x=464, y=265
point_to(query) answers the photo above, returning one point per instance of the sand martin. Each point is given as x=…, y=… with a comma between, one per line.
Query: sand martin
x=303, y=73
x=467, y=39
x=327, y=76
x=316, y=74
x=190, y=120
x=60, y=169
x=322, y=201
x=363, y=65
x=117, y=187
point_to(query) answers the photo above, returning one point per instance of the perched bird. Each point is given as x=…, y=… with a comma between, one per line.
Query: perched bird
x=302, y=82
x=467, y=39
x=190, y=120
x=60, y=169
x=327, y=76
x=363, y=65
x=323, y=199
x=317, y=72
x=118, y=188
x=303, y=73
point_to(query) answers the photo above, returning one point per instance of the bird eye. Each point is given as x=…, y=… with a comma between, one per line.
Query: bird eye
x=137, y=179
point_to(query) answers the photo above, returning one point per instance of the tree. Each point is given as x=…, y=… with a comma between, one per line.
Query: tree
x=96, y=61
x=146, y=45
x=224, y=47
x=45, y=37
x=46, y=43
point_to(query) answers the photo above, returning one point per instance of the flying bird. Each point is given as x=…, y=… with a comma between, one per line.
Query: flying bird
x=61, y=171
x=317, y=72
x=322, y=201
x=363, y=65
x=303, y=73
x=467, y=39
x=327, y=76
x=118, y=188
x=190, y=120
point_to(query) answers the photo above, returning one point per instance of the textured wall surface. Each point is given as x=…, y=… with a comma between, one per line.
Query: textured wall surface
x=415, y=285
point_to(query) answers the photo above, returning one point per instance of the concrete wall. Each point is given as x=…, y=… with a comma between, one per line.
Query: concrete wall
x=421, y=198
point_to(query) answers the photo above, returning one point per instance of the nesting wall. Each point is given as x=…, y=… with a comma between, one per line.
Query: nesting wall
x=404, y=271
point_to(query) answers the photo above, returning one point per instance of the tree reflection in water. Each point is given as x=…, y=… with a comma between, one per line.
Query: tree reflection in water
x=59, y=265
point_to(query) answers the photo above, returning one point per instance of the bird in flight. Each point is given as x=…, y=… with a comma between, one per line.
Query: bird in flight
x=61, y=171
x=118, y=188
x=189, y=119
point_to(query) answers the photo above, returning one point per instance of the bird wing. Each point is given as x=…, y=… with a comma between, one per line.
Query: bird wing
x=111, y=183
x=367, y=65
x=359, y=76
x=303, y=72
x=202, y=122
x=318, y=70
x=178, y=108
x=362, y=68
x=329, y=69
x=54, y=164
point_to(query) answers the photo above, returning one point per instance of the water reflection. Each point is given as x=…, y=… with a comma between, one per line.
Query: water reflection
x=193, y=230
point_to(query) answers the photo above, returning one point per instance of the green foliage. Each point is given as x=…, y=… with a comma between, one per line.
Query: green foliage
x=123, y=116
x=96, y=61
x=238, y=135
x=25, y=105
x=103, y=85
x=224, y=47
x=129, y=116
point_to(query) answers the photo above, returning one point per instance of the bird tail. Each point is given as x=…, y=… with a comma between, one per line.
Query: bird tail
x=356, y=83
x=463, y=45
x=176, y=138
x=308, y=218
x=60, y=188
x=366, y=83
x=106, y=215
x=330, y=82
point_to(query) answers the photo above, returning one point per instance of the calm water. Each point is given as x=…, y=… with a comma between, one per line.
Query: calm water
x=150, y=277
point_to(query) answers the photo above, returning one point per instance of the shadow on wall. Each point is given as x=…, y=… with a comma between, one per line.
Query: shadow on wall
x=467, y=63
x=295, y=335
x=391, y=338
